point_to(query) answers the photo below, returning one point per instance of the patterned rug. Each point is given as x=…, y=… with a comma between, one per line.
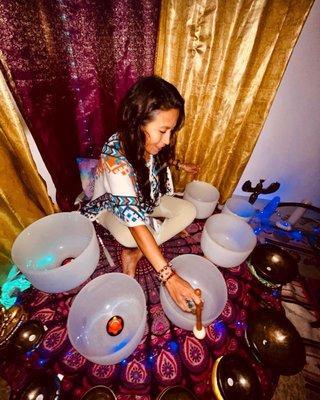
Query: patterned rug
x=167, y=355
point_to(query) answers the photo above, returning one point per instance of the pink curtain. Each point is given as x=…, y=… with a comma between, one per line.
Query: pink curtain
x=68, y=63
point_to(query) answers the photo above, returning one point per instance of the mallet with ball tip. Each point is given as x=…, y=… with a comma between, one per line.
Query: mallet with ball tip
x=199, y=330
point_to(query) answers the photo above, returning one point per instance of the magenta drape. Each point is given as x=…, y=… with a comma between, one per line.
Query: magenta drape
x=68, y=63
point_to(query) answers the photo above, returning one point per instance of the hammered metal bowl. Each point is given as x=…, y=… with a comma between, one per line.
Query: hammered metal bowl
x=176, y=393
x=99, y=392
x=42, y=387
x=275, y=342
x=273, y=264
x=28, y=336
x=234, y=378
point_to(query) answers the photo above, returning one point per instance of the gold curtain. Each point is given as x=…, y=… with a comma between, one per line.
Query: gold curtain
x=227, y=58
x=23, y=194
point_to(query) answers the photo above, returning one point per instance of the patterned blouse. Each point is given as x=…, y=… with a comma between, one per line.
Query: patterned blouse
x=116, y=188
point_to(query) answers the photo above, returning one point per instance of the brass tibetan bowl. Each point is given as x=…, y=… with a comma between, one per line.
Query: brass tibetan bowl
x=99, y=392
x=176, y=393
x=273, y=264
x=44, y=387
x=10, y=321
x=234, y=378
x=28, y=336
x=275, y=342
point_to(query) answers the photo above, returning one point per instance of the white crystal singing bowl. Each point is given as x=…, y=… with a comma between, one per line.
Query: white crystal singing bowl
x=227, y=240
x=203, y=196
x=202, y=274
x=40, y=249
x=239, y=208
x=109, y=295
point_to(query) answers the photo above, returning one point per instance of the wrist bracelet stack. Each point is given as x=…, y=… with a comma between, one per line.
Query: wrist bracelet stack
x=166, y=273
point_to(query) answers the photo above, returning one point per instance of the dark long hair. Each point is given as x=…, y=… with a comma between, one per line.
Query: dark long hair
x=138, y=108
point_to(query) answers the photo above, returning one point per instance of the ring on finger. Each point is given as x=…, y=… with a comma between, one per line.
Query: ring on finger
x=191, y=305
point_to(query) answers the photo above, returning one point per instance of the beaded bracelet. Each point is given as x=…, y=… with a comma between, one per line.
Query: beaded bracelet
x=166, y=273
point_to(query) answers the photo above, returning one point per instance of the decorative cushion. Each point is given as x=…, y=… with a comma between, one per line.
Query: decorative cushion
x=87, y=169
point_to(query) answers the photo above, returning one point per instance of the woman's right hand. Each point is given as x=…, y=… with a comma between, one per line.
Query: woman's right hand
x=181, y=291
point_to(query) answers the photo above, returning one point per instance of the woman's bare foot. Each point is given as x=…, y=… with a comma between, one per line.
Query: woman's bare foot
x=129, y=259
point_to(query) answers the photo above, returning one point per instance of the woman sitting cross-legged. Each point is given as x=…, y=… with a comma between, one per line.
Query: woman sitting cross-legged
x=133, y=184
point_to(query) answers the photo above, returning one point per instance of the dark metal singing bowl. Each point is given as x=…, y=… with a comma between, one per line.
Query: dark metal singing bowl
x=44, y=387
x=99, y=392
x=176, y=393
x=275, y=342
x=234, y=378
x=28, y=336
x=274, y=264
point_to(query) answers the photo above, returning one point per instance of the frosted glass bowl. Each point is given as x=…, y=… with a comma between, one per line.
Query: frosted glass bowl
x=227, y=240
x=200, y=273
x=203, y=196
x=40, y=250
x=239, y=208
x=110, y=295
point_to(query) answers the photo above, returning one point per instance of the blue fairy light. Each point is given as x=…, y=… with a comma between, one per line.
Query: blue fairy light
x=297, y=235
x=42, y=361
x=276, y=293
x=257, y=230
x=241, y=325
x=219, y=326
x=150, y=361
x=173, y=346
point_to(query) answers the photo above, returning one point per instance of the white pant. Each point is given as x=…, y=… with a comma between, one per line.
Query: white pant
x=178, y=215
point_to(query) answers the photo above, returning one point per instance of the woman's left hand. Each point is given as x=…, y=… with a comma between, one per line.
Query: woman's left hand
x=190, y=168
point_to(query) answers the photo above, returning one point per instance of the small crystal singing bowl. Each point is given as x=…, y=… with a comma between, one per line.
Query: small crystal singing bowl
x=200, y=273
x=227, y=240
x=203, y=196
x=239, y=208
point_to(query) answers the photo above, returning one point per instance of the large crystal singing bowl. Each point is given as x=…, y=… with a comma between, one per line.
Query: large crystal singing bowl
x=58, y=252
x=202, y=274
x=107, y=319
x=203, y=196
x=239, y=208
x=226, y=240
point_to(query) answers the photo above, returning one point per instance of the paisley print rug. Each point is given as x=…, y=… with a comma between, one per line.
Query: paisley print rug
x=166, y=356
